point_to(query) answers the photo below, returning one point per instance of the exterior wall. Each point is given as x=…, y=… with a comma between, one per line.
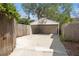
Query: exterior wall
x=44, y=29
x=35, y=29
x=71, y=31
x=7, y=35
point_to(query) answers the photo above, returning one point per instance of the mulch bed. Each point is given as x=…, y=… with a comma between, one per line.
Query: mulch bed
x=72, y=48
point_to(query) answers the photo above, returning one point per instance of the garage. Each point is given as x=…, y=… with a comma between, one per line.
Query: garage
x=44, y=26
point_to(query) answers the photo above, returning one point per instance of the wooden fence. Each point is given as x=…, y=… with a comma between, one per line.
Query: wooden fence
x=70, y=31
x=9, y=30
x=22, y=30
x=7, y=35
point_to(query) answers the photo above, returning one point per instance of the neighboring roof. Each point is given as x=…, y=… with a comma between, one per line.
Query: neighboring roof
x=44, y=21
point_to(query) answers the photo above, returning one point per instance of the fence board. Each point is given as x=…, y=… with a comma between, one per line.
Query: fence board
x=71, y=31
x=21, y=30
x=7, y=39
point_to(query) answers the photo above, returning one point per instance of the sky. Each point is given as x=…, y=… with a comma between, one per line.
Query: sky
x=74, y=13
x=75, y=10
x=19, y=8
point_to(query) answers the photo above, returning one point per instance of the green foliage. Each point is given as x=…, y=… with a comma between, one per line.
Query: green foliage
x=24, y=21
x=9, y=10
x=29, y=8
x=35, y=8
x=50, y=11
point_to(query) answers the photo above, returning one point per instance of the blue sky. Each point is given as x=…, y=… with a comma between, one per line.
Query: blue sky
x=21, y=11
x=75, y=9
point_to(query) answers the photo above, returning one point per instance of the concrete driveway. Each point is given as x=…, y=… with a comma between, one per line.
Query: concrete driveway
x=39, y=45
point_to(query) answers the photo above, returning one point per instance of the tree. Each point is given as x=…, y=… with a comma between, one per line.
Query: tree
x=35, y=8
x=9, y=10
x=29, y=8
x=54, y=13
x=50, y=11
x=62, y=17
x=24, y=21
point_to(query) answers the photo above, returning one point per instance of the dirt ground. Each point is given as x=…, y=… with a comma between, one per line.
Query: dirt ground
x=72, y=48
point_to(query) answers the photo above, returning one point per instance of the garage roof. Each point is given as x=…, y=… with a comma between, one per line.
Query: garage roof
x=44, y=21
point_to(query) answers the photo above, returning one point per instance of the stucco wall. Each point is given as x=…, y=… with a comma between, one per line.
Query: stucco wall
x=44, y=29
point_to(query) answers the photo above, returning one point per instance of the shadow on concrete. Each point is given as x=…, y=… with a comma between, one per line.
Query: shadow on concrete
x=57, y=46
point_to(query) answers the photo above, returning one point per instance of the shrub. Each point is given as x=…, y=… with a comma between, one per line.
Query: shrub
x=9, y=10
x=24, y=21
